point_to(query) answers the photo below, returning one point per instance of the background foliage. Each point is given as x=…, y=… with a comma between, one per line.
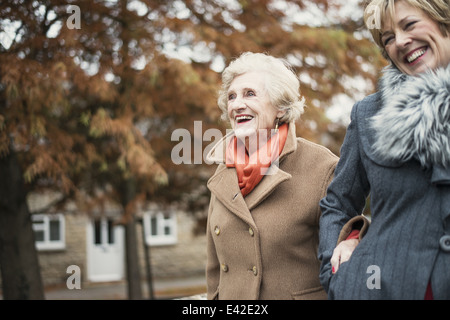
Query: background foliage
x=89, y=112
x=87, y=108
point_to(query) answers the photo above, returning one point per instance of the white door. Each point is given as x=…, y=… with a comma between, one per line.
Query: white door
x=105, y=248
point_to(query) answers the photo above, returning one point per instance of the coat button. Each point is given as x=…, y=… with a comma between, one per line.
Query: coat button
x=250, y=230
x=224, y=267
x=444, y=242
x=255, y=271
x=217, y=230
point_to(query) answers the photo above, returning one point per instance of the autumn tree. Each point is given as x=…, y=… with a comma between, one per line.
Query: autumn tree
x=71, y=128
x=91, y=92
x=329, y=58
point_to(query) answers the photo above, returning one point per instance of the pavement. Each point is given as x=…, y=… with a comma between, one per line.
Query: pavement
x=187, y=288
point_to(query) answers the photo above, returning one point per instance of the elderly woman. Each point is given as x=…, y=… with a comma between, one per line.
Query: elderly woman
x=264, y=211
x=397, y=148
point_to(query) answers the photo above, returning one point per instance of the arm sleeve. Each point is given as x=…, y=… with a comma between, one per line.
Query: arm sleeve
x=345, y=199
x=355, y=228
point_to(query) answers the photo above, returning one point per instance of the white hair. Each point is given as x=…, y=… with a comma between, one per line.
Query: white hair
x=282, y=84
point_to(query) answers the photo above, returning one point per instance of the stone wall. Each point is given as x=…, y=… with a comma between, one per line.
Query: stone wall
x=184, y=259
x=54, y=264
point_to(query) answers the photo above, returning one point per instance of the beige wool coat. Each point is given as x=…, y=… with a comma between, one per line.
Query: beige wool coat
x=264, y=246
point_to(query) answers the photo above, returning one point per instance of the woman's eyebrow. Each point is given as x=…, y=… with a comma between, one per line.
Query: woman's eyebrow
x=385, y=33
x=242, y=89
x=410, y=17
x=400, y=22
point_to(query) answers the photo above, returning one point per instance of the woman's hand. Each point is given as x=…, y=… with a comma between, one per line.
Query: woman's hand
x=342, y=253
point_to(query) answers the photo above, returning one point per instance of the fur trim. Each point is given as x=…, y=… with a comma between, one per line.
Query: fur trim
x=414, y=121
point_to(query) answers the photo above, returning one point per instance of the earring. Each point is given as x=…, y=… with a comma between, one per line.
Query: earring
x=276, y=124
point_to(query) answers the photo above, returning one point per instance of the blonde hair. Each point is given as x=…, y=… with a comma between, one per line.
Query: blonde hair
x=437, y=10
x=282, y=84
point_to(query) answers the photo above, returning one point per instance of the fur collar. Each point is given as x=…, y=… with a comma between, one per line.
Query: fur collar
x=414, y=120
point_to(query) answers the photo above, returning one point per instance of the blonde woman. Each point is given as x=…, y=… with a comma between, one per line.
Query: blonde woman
x=263, y=229
x=397, y=148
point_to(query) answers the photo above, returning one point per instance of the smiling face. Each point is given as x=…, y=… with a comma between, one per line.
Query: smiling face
x=413, y=41
x=249, y=105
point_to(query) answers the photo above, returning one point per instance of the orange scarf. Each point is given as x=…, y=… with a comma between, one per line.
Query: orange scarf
x=251, y=169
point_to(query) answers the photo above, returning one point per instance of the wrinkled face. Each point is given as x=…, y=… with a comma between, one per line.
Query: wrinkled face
x=413, y=40
x=249, y=105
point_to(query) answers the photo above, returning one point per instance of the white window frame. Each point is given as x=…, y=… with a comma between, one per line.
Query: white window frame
x=48, y=244
x=160, y=239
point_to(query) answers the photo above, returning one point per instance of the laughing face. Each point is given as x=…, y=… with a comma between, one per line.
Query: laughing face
x=249, y=106
x=413, y=41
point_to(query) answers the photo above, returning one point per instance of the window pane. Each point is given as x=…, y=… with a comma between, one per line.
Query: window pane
x=160, y=228
x=39, y=235
x=154, y=226
x=97, y=232
x=54, y=230
x=38, y=224
x=110, y=232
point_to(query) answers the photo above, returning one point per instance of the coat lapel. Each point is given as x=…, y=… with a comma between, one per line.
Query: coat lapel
x=271, y=180
x=224, y=183
x=440, y=175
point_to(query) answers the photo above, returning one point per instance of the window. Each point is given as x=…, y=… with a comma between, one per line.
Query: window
x=103, y=228
x=160, y=228
x=49, y=231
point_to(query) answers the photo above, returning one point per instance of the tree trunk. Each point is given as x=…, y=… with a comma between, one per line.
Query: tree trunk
x=19, y=264
x=133, y=270
x=131, y=246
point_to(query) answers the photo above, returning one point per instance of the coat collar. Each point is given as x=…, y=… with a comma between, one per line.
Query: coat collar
x=413, y=120
x=224, y=183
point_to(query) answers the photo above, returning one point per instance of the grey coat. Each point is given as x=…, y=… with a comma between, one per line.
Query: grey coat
x=397, y=150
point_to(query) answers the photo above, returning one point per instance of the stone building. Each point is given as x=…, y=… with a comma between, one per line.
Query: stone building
x=94, y=243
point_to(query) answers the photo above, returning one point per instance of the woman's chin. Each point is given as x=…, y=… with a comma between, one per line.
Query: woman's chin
x=243, y=131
